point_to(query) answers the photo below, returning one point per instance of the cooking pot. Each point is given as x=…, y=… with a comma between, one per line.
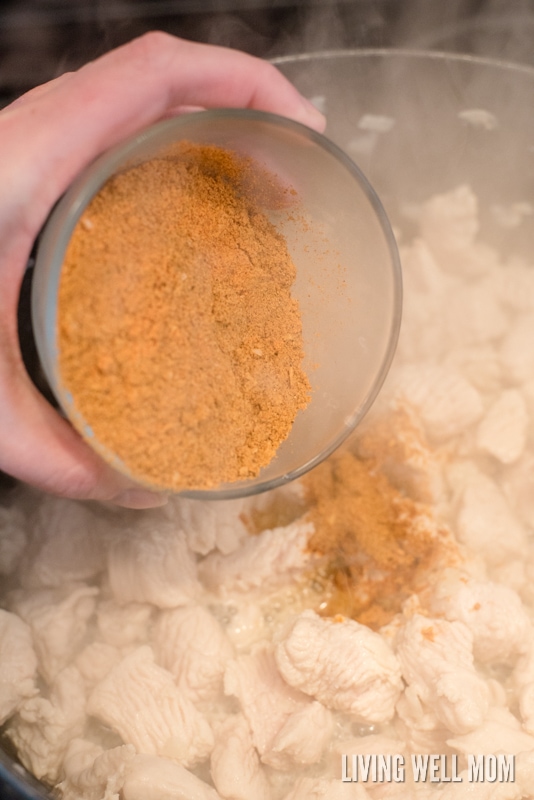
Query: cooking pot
x=417, y=124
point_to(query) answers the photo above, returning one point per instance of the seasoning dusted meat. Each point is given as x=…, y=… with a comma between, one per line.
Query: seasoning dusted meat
x=153, y=778
x=192, y=646
x=343, y=664
x=269, y=559
x=436, y=657
x=140, y=701
x=235, y=767
x=151, y=563
x=18, y=664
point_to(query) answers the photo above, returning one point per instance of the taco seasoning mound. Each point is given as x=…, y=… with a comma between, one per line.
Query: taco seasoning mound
x=178, y=337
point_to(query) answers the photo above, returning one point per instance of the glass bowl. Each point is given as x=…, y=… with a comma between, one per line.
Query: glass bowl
x=348, y=276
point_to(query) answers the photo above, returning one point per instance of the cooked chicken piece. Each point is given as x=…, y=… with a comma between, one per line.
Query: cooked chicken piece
x=493, y=613
x=519, y=488
x=152, y=778
x=91, y=773
x=486, y=524
x=523, y=682
x=449, y=222
x=67, y=544
x=235, y=767
x=265, y=699
x=344, y=665
x=209, y=525
x=302, y=739
x=503, y=430
x=192, y=645
x=436, y=657
x=501, y=732
x=447, y=403
x=474, y=315
x=516, y=352
x=96, y=660
x=140, y=701
x=18, y=664
x=123, y=625
x=58, y=619
x=326, y=789
x=151, y=563
x=43, y=727
x=13, y=538
x=270, y=559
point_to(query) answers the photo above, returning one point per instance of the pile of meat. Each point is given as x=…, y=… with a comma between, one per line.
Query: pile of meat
x=172, y=654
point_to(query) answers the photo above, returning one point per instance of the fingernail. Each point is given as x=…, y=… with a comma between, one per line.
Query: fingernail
x=314, y=118
x=140, y=498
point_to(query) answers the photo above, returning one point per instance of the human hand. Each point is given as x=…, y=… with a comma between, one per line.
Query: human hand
x=46, y=138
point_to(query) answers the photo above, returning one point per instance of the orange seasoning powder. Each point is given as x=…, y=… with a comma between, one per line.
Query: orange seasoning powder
x=179, y=340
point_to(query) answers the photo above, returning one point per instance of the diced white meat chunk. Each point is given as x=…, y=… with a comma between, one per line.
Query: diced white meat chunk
x=486, y=524
x=191, y=644
x=92, y=773
x=344, y=665
x=437, y=664
x=499, y=733
x=503, y=430
x=67, y=544
x=519, y=488
x=326, y=789
x=303, y=737
x=523, y=681
x=140, y=701
x=13, y=538
x=123, y=625
x=265, y=699
x=474, y=315
x=43, y=727
x=516, y=351
x=235, y=766
x=270, y=559
x=209, y=525
x=152, y=778
x=479, y=364
x=447, y=403
x=493, y=613
x=18, y=664
x=151, y=563
x=96, y=660
x=449, y=222
x=58, y=619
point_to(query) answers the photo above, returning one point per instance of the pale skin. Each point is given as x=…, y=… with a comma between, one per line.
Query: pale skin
x=46, y=138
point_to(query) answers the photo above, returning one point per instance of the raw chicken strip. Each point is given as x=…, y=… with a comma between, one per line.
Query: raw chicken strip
x=19, y=664
x=12, y=538
x=302, y=739
x=447, y=403
x=437, y=664
x=140, y=701
x=92, y=773
x=209, y=525
x=43, y=727
x=58, y=620
x=151, y=778
x=265, y=699
x=235, y=767
x=152, y=563
x=344, y=665
x=493, y=613
x=67, y=545
x=486, y=524
x=192, y=645
x=503, y=431
x=270, y=559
